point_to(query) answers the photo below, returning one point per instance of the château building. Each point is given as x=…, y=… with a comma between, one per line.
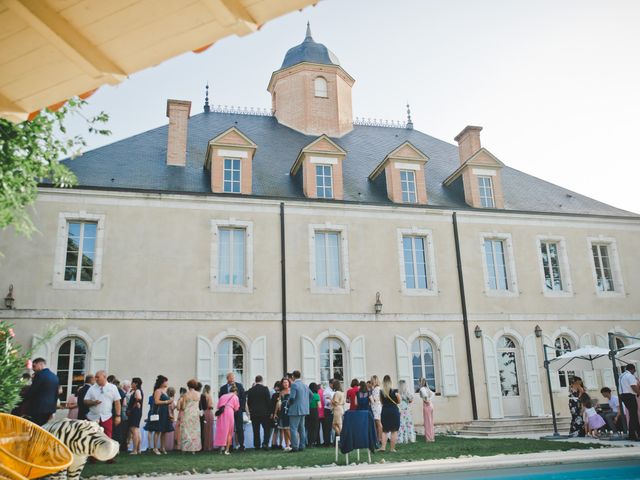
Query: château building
x=261, y=242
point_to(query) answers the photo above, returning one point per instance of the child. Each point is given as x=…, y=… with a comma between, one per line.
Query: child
x=592, y=421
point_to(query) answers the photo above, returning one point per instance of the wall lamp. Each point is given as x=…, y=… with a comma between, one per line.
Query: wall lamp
x=538, y=331
x=378, y=305
x=478, y=331
x=9, y=300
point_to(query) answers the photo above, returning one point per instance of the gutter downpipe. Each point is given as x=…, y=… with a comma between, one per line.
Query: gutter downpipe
x=465, y=319
x=283, y=286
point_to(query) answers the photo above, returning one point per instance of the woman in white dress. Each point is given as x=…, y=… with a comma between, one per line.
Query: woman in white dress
x=427, y=410
x=376, y=406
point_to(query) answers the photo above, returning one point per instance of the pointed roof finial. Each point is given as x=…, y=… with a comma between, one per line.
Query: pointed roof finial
x=409, y=122
x=308, y=35
x=207, y=109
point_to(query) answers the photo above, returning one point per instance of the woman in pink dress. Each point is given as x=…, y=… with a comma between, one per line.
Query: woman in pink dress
x=427, y=410
x=224, y=424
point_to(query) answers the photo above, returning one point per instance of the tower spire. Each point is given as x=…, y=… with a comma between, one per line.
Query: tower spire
x=409, y=122
x=207, y=109
x=308, y=35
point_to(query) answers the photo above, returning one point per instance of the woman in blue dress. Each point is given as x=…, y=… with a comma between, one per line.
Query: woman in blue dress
x=282, y=412
x=159, y=421
x=363, y=401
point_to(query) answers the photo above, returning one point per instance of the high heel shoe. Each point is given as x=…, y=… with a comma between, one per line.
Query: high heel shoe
x=226, y=452
x=156, y=451
x=163, y=451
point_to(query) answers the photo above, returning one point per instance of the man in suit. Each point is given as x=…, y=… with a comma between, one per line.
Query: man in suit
x=82, y=392
x=42, y=396
x=238, y=420
x=299, y=400
x=259, y=403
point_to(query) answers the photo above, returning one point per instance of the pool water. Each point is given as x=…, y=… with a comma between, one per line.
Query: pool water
x=592, y=473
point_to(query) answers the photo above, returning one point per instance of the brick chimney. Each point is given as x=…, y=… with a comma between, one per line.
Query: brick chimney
x=468, y=142
x=178, y=113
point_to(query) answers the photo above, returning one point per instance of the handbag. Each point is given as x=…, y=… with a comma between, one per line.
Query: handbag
x=219, y=411
x=154, y=417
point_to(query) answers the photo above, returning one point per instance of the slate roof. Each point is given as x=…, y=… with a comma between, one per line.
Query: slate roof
x=139, y=163
x=309, y=51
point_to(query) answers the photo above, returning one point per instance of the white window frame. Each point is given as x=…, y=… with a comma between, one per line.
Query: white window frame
x=344, y=258
x=616, y=271
x=324, y=186
x=432, y=284
x=232, y=181
x=214, y=271
x=563, y=260
x=217, y=381
x=512, y=279
x=61, y=251
x=435, y=352
x=71, y=369
x=319, y=93
x=345, y=356
x=412, y=173
x=491, y=188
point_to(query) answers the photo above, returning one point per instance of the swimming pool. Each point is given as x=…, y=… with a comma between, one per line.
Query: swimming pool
x=596, y=470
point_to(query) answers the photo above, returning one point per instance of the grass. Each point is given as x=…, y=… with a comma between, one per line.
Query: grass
x=444, y=447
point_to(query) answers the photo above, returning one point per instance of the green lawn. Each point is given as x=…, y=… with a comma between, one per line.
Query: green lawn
x=444, y=447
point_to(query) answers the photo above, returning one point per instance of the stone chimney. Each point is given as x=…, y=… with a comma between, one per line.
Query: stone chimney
x=468, y=142
x=178, y=113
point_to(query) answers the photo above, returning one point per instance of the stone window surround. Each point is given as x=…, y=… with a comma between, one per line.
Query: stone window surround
x=344, y=258
x=61, y=249
x=565, y=269
x=213, y=282
x=616, y=271
x=512, y=280
x=427, y=234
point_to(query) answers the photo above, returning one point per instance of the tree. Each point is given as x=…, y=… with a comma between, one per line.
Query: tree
x=30, y=153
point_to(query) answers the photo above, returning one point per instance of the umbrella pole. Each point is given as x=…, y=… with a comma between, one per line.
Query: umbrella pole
x=553, y=408
x=612, y=353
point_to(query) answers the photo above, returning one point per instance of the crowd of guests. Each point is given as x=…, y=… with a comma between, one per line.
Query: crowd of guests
x=290, y=416
x=590, y=417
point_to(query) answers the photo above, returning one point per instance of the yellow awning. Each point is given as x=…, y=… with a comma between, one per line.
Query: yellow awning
x=51, y=50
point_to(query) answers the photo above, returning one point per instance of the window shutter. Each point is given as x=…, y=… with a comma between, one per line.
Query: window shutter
x=258, y=358
x=309, y=360
x=590, y=377
x=204, y=361
x=494, y=391
x=608, y=379
x=100, y=354
x=533, y=376
x=403, y=360
x=449, y=374
x=358, y=359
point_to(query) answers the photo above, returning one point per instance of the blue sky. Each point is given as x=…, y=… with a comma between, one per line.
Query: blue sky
x=555, y=84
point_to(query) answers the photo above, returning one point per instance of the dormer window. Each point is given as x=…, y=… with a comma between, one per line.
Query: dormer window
x=324, y=181
x=485, y=185
x=408, y=182
x=231, y=175
x=320, y=87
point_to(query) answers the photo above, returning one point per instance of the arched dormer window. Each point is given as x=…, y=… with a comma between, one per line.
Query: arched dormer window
x=320, y=87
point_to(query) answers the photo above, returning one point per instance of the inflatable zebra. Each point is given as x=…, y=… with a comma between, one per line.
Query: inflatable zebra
x=85, y=439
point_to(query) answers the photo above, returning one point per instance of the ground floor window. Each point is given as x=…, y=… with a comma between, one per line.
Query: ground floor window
x=71, y=366
x=423, y=363
x=331, y=360
x=231, y=358
x=508, y=367
x=563, y=345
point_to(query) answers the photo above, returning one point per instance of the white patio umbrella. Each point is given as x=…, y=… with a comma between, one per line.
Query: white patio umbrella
x=585, y=358
x=629, y=354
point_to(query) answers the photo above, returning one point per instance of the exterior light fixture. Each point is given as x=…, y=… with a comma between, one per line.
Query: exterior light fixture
x=478, y=331
x=538, y=331
x=378, y=304
x=8, y=300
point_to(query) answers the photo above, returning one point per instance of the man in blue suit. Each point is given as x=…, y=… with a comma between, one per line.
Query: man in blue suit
x=42, y=396
x=299, y=399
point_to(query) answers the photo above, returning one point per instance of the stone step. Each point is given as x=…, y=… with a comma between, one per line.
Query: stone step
x=503, y=422
x=538, y=432
x=515, y=425
x=514, y=429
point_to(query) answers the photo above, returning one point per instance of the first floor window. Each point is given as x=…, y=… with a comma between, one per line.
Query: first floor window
x=231, y=182
x=415, y=262
x=328, y=268
x=231, y=256
x=485, y=185
x=508, y=367
x=602, y=263
x=72, y=358
x=563, y=345
x=551, y=266
x=496, y=264
x=231, y=359
x=81, y=250
x=408, y=184
x=423, y=363
x=331, y=360
x=324, y=181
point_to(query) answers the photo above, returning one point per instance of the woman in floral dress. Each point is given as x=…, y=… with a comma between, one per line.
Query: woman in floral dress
x=190, y=426
x=576, y=390
x=407, y=433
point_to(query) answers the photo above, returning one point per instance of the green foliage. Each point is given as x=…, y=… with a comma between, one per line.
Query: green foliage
x=30, y=152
